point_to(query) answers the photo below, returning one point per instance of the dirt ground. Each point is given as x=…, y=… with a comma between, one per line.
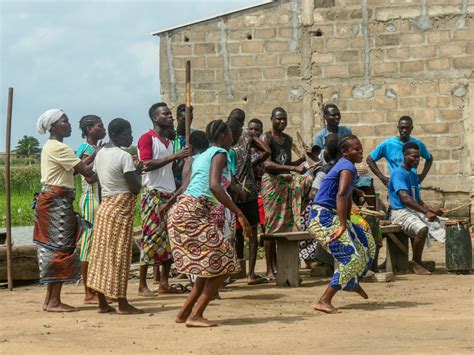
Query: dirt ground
x=415, y=314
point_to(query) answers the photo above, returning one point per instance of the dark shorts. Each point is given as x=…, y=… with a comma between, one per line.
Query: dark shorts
x=250, y=210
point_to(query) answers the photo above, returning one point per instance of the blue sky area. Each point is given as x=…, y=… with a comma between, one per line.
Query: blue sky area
x=87, y=57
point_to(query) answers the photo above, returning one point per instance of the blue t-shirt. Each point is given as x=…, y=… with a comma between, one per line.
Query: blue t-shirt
x=320, y=137
x=326, y=195
x=401, y=179
x=391, y=150
x=201, y=169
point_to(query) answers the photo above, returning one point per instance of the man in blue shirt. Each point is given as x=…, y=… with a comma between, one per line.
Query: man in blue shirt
x=332, y=117
x=408, y=210
x=391, y=150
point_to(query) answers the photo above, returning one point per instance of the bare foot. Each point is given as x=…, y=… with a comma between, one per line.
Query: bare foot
x=60, y=307
x=146, y=292
x=361, y=292
x=183, y=315
x=325, y=307
x=270, y=276
x=107, y=309
x=420, y=270
x=91, y=299
x=129, y=309
x=199, y=322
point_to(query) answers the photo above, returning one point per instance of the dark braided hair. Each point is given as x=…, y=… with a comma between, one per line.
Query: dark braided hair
x=214, y=129
x=199, y=141
x=87, y=122
x=345, y=142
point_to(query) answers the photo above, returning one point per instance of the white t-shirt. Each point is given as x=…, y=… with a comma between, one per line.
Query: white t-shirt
x=150, y=146
x=110, y=164
x=57, y=164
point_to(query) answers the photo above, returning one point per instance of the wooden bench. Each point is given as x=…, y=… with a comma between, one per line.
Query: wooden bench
x=397, y=248
x=288, y=260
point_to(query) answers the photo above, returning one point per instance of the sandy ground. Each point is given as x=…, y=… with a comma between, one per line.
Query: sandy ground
x=422, y=314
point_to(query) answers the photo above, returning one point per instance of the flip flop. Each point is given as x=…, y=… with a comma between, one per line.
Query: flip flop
x=258, y=281
x=175, y=289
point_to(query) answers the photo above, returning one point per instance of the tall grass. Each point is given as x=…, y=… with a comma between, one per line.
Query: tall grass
x=25, y=182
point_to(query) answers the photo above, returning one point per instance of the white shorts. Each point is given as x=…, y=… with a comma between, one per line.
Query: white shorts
x=411, y=221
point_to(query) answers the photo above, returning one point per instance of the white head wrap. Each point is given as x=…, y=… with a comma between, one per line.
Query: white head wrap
x=47, y=119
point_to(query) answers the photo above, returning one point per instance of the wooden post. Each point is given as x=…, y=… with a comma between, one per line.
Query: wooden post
x=7, y=189
x=188, y=102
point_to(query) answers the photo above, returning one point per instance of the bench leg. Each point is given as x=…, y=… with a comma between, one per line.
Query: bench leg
x=288, y=263
x=397, y=259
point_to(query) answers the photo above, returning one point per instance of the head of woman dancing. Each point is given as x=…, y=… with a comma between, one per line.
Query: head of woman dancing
x=92, y=128
x=219, y=134
x=120, y=132
x=350, y=148
x=199, y=142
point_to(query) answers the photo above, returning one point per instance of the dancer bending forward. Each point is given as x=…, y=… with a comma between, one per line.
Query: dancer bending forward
x=330, y=225
x=198, y=244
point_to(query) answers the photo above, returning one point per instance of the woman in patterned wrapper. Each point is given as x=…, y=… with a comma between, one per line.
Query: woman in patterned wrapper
x=55, y=231
x=330, y=225
x=93, y=131
x=198, y=243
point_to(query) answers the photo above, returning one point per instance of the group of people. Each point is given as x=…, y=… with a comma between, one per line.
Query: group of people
x=199, y=201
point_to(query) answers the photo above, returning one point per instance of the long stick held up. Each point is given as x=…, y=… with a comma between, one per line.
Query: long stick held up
x=188, y=102
x=7, y=189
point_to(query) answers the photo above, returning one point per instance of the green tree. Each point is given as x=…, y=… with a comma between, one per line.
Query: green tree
x=28, y=147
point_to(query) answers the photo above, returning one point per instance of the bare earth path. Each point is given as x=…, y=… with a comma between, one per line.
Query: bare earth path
x=433, y=314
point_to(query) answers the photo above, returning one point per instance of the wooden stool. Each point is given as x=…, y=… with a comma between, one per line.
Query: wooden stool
x=288, y=260
x=397, y=248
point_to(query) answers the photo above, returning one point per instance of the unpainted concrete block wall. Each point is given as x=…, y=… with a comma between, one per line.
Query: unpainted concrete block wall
x=377, y=59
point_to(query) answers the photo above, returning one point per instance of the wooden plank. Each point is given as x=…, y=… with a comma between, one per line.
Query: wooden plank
x=391, y=228
x=397, y=260
x=399, y=244
x=288, y=263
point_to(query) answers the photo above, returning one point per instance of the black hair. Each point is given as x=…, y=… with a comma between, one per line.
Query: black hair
x=234, y=125
x=278, y=109
x=237, y=114
x=409, y=145
x=86, y=122
x=181, y=109
x=406, y=119
x=345, y=142
x=257, y=121
x=326, y=107
x=198, y=140
x=118, y=126
x=214, y=129
x=154, y=107
x=332, y=145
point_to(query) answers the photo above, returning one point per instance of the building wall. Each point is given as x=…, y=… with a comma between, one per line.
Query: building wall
x=377, y=59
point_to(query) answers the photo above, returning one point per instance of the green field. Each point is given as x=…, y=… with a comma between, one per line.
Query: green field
x=25, y=181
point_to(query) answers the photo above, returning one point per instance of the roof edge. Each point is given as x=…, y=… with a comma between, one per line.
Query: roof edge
x=169, y=29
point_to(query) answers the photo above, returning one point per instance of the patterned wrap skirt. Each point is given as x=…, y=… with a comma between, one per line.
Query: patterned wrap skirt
x=282, y=196
x=55, y=234
x=111, y=253
x=198, y=242
x=155, y=245
x=354, y=250
x=89, y=203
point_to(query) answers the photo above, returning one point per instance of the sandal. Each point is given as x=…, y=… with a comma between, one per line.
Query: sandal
x=174, y=288
x=258, y=281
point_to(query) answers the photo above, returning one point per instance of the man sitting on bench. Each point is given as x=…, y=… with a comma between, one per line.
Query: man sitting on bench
x=407, y=208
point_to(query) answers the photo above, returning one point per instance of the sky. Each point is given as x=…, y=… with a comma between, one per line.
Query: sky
x=87, y=57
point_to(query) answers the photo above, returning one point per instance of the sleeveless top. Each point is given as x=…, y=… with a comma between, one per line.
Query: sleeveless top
x=281, y=153
x=201, y=169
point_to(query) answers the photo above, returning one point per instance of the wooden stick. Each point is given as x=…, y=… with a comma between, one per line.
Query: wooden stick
x=187, y=121
x=457, y=208
x=7, y=189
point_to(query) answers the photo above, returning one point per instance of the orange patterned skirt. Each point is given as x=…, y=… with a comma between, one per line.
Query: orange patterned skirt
x=111, y=253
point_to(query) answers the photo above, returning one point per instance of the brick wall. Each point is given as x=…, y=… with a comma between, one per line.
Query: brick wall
x=377, y=59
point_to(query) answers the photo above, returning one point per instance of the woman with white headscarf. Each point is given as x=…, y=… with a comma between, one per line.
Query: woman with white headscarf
x=56, y=230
